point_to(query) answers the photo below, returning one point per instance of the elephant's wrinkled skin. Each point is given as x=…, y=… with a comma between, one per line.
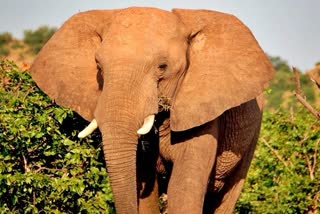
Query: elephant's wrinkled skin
x=112, y=65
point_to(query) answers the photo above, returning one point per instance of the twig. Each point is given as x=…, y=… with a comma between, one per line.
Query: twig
x=315, y=202
x=37, y=146
x=310, y=167
x=315, y=154
x=34, y=199
x=298, y=95
x=315, y=82
x=40, y=168
x=276, y=154
x=164, y=103
x=27, y=93
x=25, y=163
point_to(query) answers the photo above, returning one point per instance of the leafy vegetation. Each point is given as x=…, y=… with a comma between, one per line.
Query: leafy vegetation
x=5, y=38
x=43, y=166
x=17, y=45
x=282, y=87
x=285, y=174
x=37, y=38
x=4, y=51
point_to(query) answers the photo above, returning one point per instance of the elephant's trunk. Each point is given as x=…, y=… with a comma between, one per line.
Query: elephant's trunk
x=120, y=156
x=120, y=112
x=119, y=147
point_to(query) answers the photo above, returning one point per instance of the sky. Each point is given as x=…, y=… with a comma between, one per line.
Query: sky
x=286, y=28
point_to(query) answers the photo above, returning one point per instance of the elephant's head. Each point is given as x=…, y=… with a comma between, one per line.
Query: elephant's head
x=112, y=65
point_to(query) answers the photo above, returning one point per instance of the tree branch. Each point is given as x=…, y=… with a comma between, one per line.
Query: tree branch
x=25, y=163
x=275, y=152
x=310, y=168
x=315, y=82
x=315, y=154
x=30, y=150
x=298, y=94
x=40, y=168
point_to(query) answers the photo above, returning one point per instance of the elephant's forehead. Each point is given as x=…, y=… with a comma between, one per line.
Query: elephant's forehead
x=145, y=20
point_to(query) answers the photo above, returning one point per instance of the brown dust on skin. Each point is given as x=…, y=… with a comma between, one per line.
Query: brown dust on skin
x=187, y=41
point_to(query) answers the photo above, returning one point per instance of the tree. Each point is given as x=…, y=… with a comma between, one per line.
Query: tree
x=5, y=38
x=281, y=87
x=37, y=38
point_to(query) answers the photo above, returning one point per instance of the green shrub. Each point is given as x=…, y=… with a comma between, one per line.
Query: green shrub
x=4, y=51
x=43, y=166
x=285, y=173
x=17, y=45
x=5, y=38
x=37, y=38
x=283, y=85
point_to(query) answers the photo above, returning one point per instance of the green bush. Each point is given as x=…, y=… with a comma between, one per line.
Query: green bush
x=43, y=166
x=5, y=38
x=4, y=51
x=283, y=85
x=285, y=173
x=17, y=45
x=37, y=38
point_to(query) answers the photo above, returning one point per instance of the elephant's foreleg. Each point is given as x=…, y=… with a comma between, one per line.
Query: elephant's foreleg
x=235, y=182
x=239, y=129
x=193, y=159
x=147, y=157
x=149, y=204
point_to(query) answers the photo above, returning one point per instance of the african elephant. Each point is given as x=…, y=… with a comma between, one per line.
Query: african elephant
x=111, y=66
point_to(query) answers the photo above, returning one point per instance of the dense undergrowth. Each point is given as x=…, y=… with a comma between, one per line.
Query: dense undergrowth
x=44, y=168
x=284, y=174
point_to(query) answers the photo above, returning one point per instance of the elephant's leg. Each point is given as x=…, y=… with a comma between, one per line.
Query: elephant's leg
x=234, y=183
x=147, y=158
x=193, y=159
x=150, y=204
x=239, y=129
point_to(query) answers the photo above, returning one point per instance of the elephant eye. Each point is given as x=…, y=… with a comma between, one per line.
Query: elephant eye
x=163, y=67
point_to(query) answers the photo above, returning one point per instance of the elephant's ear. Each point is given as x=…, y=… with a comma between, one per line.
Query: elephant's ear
x=226, y=68
x=66, y=68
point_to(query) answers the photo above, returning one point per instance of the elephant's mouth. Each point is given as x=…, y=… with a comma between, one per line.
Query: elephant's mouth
x=164, y=105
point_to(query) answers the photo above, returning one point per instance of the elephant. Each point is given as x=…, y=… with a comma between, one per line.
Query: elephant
x=111, y=67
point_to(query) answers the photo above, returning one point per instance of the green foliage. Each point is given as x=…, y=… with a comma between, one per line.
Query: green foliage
x=37, y=38
x=279, y=64
x=285, y=173
x=4, y=51
x=283, y=85
x=5, y=38
x=43, y=166
x=17, y=45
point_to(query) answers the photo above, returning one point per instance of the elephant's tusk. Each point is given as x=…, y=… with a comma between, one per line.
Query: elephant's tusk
x=89, y=129
x=147, y=125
